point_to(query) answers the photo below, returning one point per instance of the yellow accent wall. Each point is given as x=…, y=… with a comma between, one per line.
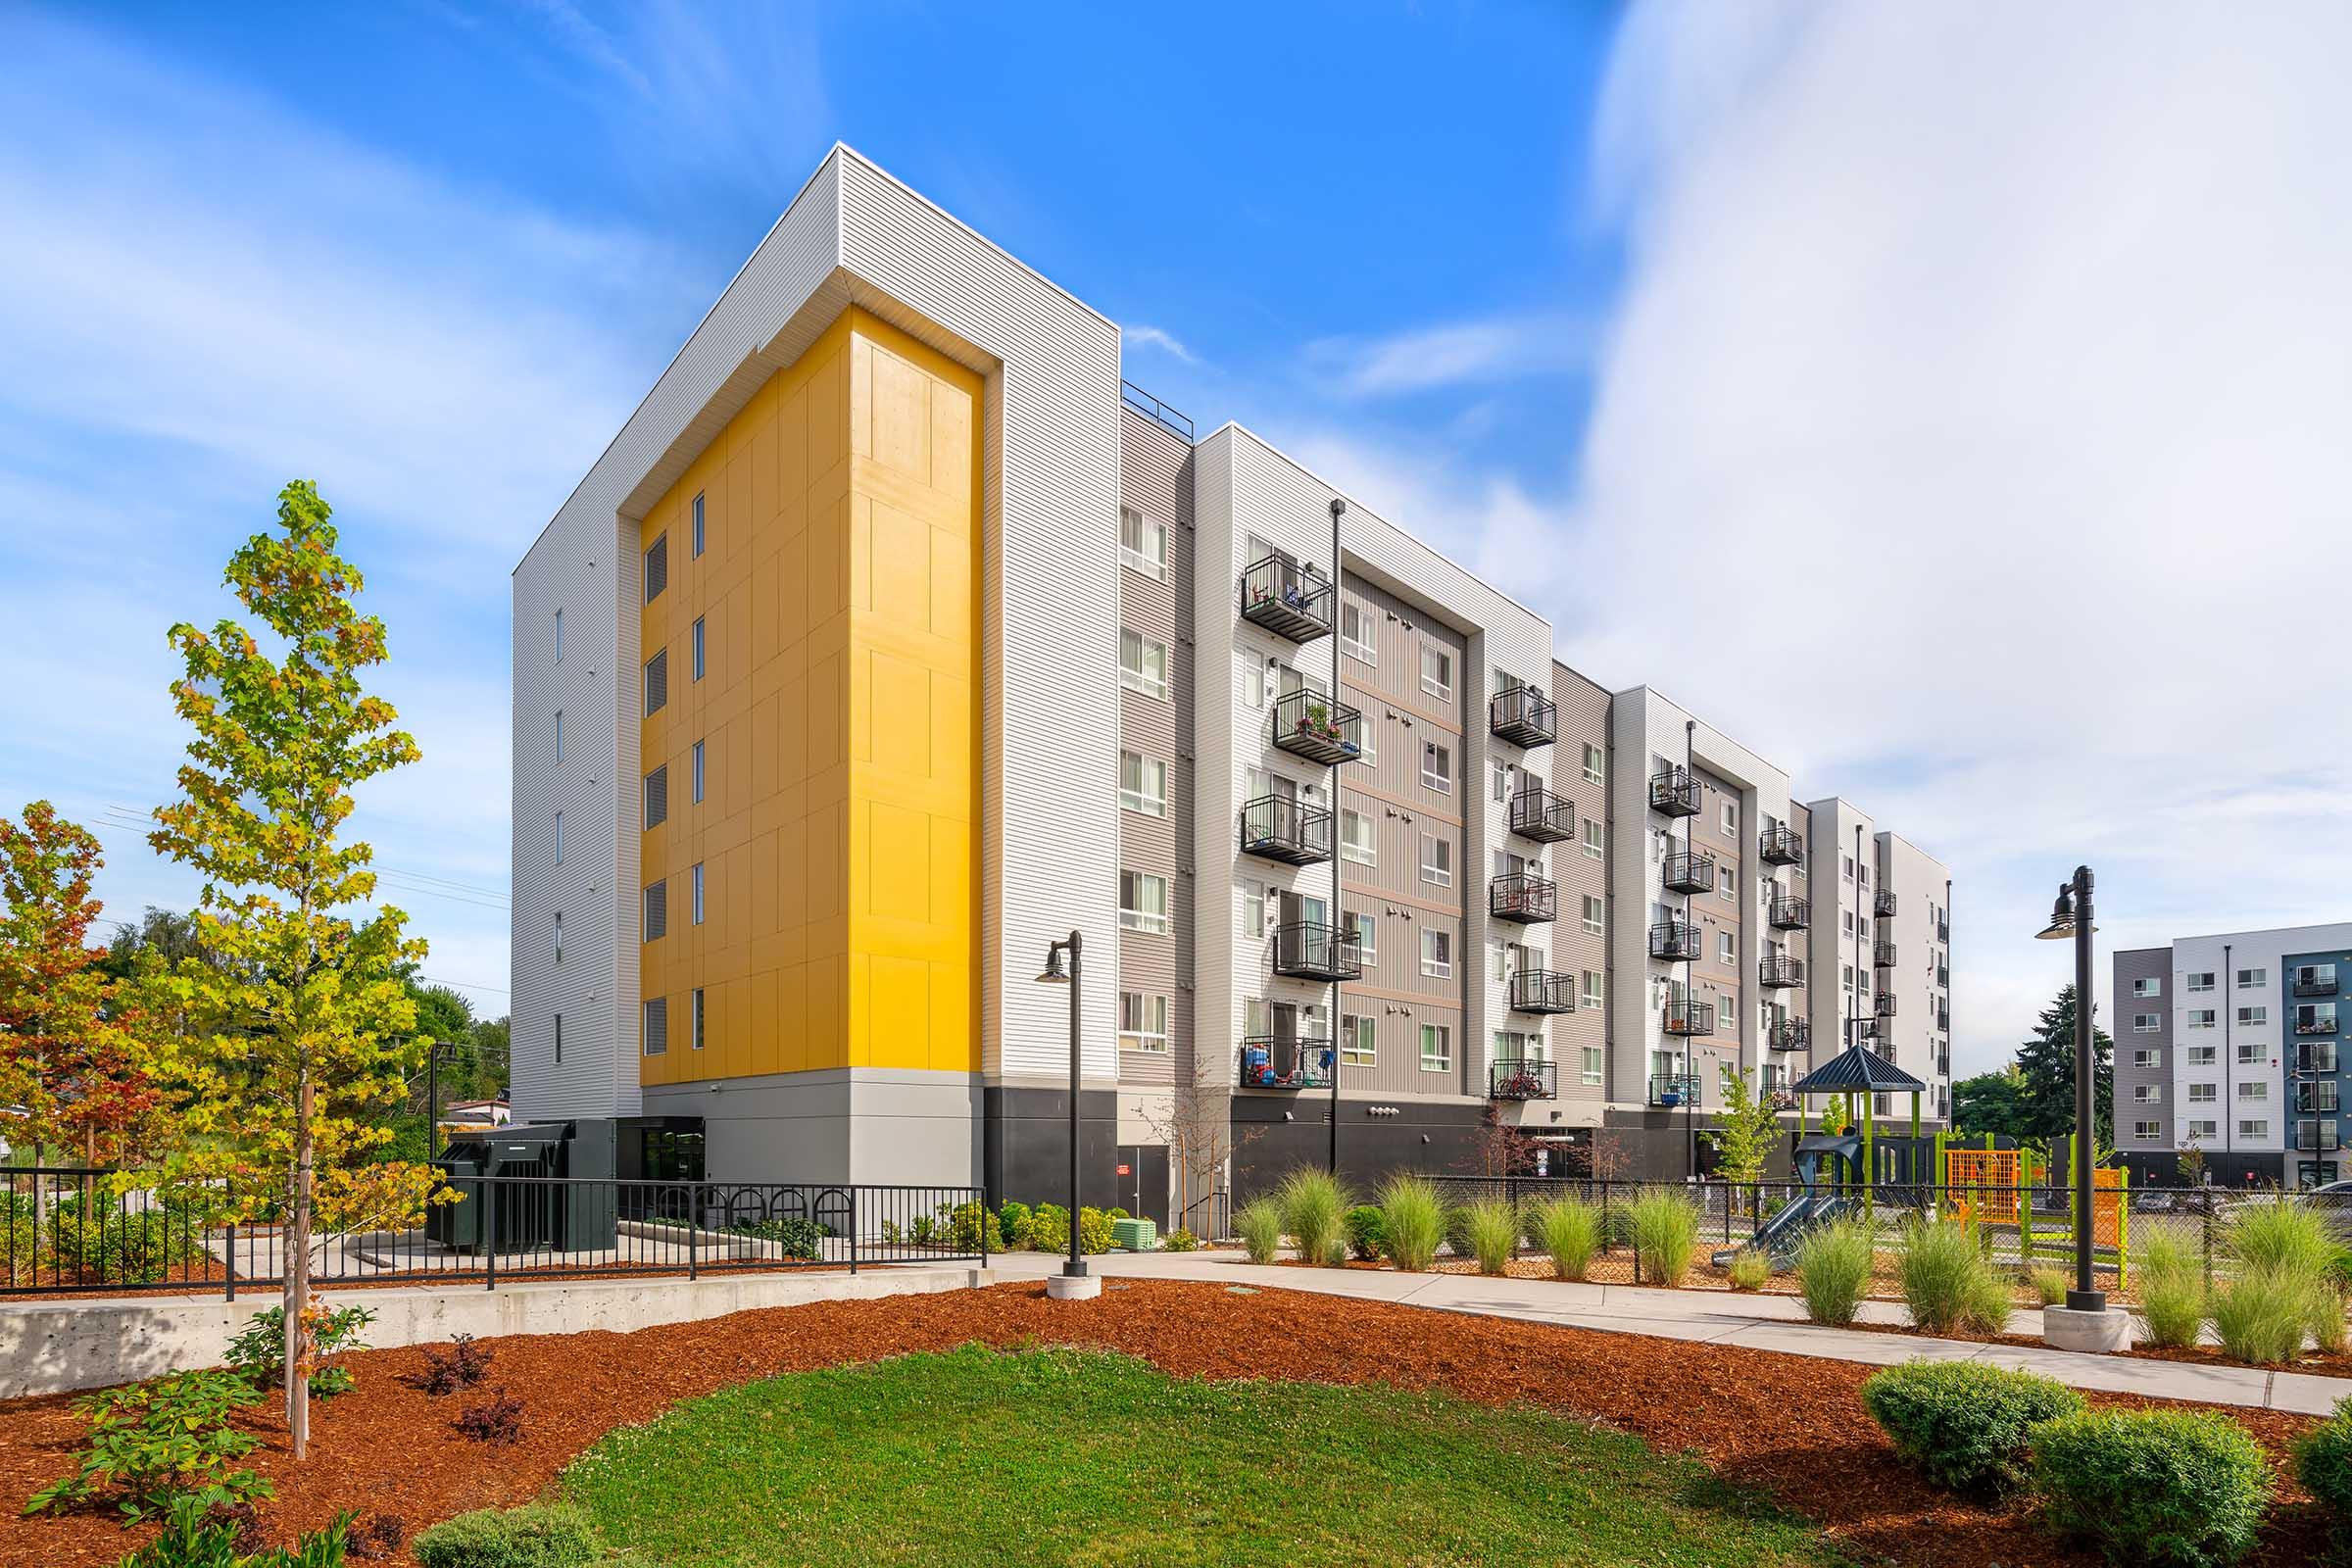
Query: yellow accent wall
x=839, y=711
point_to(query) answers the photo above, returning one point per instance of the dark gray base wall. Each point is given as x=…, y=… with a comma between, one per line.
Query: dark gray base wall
x=1027, y=1154
x=1272, y=1136
x=858, y=1124
x=2161, y=1169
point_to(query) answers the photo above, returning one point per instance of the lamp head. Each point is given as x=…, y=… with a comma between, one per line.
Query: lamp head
x=2062, y=916
x=1056, y=974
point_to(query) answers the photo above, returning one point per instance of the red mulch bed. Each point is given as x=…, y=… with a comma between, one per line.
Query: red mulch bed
x=1790, y=1424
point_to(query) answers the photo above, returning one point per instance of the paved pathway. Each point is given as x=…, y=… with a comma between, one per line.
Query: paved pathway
x=1719, y=1317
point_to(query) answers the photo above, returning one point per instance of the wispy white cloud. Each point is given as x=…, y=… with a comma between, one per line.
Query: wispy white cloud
x=1496, y=349
x=1153, y=337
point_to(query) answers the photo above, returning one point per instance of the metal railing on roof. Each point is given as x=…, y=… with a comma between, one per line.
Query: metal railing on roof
x=1151, y=407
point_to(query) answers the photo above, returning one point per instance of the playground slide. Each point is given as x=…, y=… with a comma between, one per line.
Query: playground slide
x=1784, y=1231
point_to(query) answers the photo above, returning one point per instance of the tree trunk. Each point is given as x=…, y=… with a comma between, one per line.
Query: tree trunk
x=296, y=1260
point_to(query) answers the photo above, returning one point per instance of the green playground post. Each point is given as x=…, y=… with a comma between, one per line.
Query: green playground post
x=1870, y=1167
x=2123, y=1228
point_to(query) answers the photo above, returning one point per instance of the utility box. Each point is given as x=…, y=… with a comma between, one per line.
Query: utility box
x=1135, y=1236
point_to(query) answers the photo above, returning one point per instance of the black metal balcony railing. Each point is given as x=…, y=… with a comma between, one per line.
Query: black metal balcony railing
x=1943, y=977
x=1943, y=1020
x=1539, y=815
x=2316, y=1056
x=1779, y=845
x=1789, y=1034
x=1687, y=1018
x=1674, y=940
x=1785, y=913
x=1276, y=827
x=1884, y=1004
x=1943, y=930
x=1776, y=971
x=1882, y=904
x=1523, y=898
x=1309, y=724
x=1522, y=1080
x=1675, y=793
x=1522, y=715
x=1671, y=1089
x=2315, y=1137
x=1308, y=949
x=2316, y=982
x=2314, y=1098
x=1882, y=955
x=1286, y=1061
x=2319, y=1020
x=1689, y=871
x=1287, y=599
x=1542, y=991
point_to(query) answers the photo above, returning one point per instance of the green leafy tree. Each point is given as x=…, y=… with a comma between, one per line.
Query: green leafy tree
x=1994, y=1102
x=1746, y=1129
x=2045, y=1064
x=301, y=1033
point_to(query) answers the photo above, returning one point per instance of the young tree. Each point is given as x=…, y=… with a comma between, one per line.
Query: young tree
x=299, y=1031
x=1498, y=1148
x=65, y=1051
x=1994, y=1102
x=1746, y=1129
x=2046, y=1065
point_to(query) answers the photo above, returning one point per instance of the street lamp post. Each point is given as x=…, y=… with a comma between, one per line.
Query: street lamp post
x=1073, y=1283
x=2084, y=1323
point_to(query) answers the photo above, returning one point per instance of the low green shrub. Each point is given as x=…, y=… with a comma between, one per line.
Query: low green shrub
x=1568, y=1229
x=538, y=1535
x=1017, y=1225
x=972, y=1226
x=2323, y=1460
x=151, y=1443
x=1368, y=1232
x=1049, y=1228
x=1258, y=1224
x=2152, y=1487
x=2262, y=1316
x=1490, y=1228
x=1314, y=1207
x=196, y=1536
x=1415, y=1221
x=1962, y=1424
x=1665, y=1230
x=257, y=1351
x=1094, y=1232
x=1180, y=1241
x=1832, y=1269
x=1748, y=1269
x=2172, y=1293
x=793, y=1237
x=99, y=1242
x=2050, y=1286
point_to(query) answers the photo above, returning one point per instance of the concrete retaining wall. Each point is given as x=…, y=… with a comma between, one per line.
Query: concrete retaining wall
x=54, y=1346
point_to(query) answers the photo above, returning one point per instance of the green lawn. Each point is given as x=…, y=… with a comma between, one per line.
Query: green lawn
x=1067, y=1456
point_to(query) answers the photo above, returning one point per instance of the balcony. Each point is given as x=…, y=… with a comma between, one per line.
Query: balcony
x=1882, y=956
x=1311, y=725
x=1882, y=904
x=2316, y=1019
x=1674, y=941
x=1276, y=827
x=1687, y=1018
x=1785, y=914
x=1776, y=971
x=1287, y=599
x=1789, y=1034
x=1547, y=818
x=1689, y=871
x=1674, y=1089
x=1523, y=899
x=1943, y=931
x=1307, y=949
x=1522, y=1080
x=1943, y=1020
x=2314, y=1098
x=1524, y=716
x=1542, y=991
x=1781, y=845
x=1285, y=1061
x=1884, y=1006
x=1674, y=792
x=2316, y=1137
x=2315, y=1057
x=2314, y=980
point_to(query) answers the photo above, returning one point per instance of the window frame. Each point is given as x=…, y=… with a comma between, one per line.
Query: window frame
x=1135, y=1014
x=1139, y=559
x=1439, y=685
x=1135, y=916
x=1140, y=800
x=1436, y=954
x=1442, y=1058
x=1137, y=679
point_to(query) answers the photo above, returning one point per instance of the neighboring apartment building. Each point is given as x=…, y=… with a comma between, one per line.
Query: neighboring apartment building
x=832, y=709
x=2232, y=1044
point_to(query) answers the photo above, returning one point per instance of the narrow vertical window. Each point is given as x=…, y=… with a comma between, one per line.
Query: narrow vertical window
x=558, y=937
x=559, y=837
x=558, y=636
x=698, y=893
x=559, y=1038
x=657, y=568
x=559, y=734
x=700, y=1014
x=698, y=770
x=698, y=648
x=697, y=523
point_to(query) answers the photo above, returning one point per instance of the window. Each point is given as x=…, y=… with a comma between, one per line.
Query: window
x=2200, y=980
x=1360, y=1043
x=698, y=893
x=2254, y=1089
x=656, y=683
x=1592, y=989
x=2200, y=1019
x=657, y=911
x=1437, y=768
x=1437, y=1048
x=1436, y=954
x=1726, y=948
x=1254, y=908
x=1436, y=860
x=558, y=636
x=1849, y=867
x=1254, y=682
x=656, y=797
x=558, y=846
x=2147, y=1058
x=697, y=523
x=1588, y=1067
x=1356, y=634
x=2204, y=1129
x=1142, y=784
x=2253, y=979
x=1367, y=937
x=1143, y=544
x=1143, y=666
x=559, y=734
x=1592, y=915
x=559, y=1038
x=2148, y=987
x=1143, y=902
x=698, y=662
x=1593, y=759
x=2249, y=1051
x=2204, y=1094
x=2146, y=1023
x=1727, y=883
x=698, y=1015
x=1143, y=1022
x=2253, y=1017
x=1499, y=773
x=1356, y=838
x=655, y=1021
x=697, y=772
x=2253, y=1129
x=2146, y=1131
x=559, y=936
x=2147, y=1094
x=1730, y=819
x=1436, y=672
x=657, y=568
x=2202, y=1055
x=1591, y=838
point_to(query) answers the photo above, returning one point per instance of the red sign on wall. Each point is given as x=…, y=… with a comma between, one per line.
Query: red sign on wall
x=1124, y=1171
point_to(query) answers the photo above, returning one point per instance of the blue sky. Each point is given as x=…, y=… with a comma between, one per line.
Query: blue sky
x=1808, y=362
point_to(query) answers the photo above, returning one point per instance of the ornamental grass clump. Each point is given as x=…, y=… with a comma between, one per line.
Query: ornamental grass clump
x=1748, y=1269
x=1941, y=1272
x=1665, y=1230
x=1963, y=1424
x=1314, y=1209
x=2280, y=1235
x=2261, y=1317
x=1415, y=1217
x=2172, y=1293
x=1258, y=1224
x=2050, y=1286
x=1832, y=1269
x=1490, y=1227
x=2169, y=1488
x=1569, y=1230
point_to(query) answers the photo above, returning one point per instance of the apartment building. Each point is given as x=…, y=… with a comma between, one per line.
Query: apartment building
x=895, y=638
x=2231, y=1043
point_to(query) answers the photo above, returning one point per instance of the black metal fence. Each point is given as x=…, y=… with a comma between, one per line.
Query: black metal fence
x=66, y=1232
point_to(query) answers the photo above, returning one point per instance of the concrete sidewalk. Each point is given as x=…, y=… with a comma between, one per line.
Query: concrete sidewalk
x=1717, y=1318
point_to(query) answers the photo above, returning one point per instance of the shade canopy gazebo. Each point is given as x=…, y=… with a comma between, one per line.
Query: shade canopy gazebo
x=1860, y=1070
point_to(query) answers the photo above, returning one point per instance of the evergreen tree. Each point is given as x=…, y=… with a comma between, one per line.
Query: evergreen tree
x=1995, y=1102
x=2046, y=1065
